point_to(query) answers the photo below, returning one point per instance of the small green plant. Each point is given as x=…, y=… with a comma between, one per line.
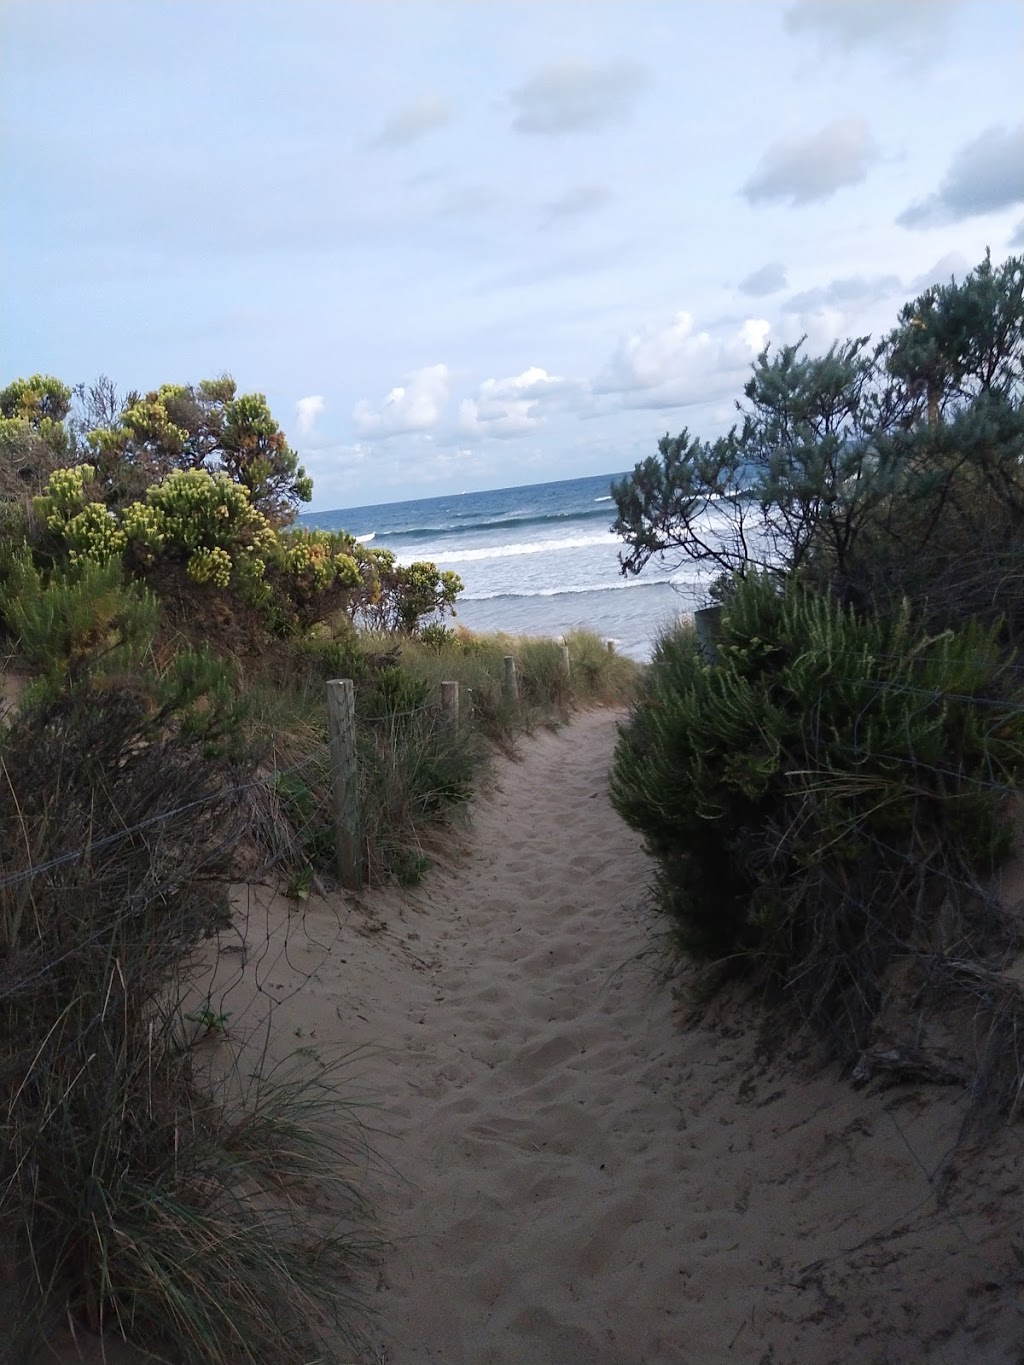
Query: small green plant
x=437, y=636
x=208, y=1019
x=300, y=883
x=409, y=868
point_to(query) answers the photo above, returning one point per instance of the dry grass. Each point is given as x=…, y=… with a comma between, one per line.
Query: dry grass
x=215, y=1222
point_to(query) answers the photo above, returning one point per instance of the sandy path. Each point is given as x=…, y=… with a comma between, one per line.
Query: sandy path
x=582, y=1180
x=586, y=1182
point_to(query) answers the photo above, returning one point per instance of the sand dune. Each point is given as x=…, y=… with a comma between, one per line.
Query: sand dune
x=580, y=1178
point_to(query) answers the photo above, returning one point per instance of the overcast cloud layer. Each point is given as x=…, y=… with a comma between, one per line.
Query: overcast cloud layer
x=471, y=245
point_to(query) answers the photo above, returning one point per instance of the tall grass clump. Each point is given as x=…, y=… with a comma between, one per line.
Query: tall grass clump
x=148, y=1201
x=417, y=770
x=827, y=795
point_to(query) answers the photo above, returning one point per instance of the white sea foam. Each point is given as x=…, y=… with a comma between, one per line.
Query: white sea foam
x=529, y=547
x=607, y=499
x=365, y=540
x=677, y=582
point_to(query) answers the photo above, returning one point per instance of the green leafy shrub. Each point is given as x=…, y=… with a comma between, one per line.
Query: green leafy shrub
x=78, y=621
x=813, y=795
x=399, y=596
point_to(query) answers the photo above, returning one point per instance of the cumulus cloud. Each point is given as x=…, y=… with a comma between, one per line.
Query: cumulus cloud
x=577, y=202
x=847, y=294
x=908, y=28
x=307, y=410
x=675, y=365
x=1017, y=238
x=768, y=280
x=512, y=407
x=808, y=170
x=576, y=97
x=985, y=175
x=953, y=263
x=418, y=405
x=413, y=122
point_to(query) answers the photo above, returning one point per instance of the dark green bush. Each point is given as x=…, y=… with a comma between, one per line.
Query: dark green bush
x=79, y=619
x=812, y=795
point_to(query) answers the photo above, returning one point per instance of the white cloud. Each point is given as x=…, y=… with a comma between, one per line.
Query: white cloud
x=307, y=410
x=768, y=280
x=512, y=407
x=1017, y=239
x=577, y=202
x=413, y=122
x=754, y=335
x=576, y=97
x=986, y=174
x=810, y=169
x=675, y=365
x=954, y=263
x=851, y=294
x=907, y=28
x=417, y=405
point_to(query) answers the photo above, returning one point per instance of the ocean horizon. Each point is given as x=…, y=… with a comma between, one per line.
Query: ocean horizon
x=536, y=559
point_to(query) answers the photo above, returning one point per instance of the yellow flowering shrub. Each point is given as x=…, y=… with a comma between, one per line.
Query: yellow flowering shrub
x=210, y=566
x=94, y=534
x=206, y=524
x=313, y=563
x=65, y=496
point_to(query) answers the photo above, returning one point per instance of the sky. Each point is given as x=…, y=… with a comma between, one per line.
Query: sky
x=472, y=245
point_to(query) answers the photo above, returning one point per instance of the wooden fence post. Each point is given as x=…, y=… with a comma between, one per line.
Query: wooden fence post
x=565, y=659
x=511, y=681
x=450, y=703
x=341, y=719
x=610, y=646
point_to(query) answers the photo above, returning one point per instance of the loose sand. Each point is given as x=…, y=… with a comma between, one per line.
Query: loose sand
x=580, y=1176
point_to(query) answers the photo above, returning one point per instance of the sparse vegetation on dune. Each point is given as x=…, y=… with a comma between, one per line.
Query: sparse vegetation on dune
x=152, y=1202
x=176, y=635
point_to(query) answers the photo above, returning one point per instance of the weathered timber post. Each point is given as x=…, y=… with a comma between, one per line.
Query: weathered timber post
x=467, y=705
x=450, y=703
x=565, y=659
x=511, y=681
x=610, y=646
x=341, y=720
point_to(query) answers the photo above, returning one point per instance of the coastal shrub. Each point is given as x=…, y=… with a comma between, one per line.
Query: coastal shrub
x=400, y=596
x=204, y=428
x=79, y=620
x=197, y=530
x=137, y=1195
x=817, y=793
x=876, y=473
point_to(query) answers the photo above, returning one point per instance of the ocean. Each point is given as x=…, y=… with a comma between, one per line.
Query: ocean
x=535, y=560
